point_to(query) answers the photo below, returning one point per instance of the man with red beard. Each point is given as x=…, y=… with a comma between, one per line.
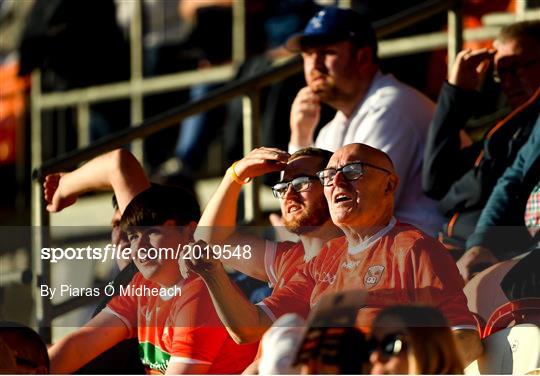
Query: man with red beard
x=341, y=68
x=303, y=208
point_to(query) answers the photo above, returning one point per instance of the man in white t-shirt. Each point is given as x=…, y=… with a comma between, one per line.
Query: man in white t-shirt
x=341, y=68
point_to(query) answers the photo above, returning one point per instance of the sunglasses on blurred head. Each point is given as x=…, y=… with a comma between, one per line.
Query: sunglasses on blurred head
x=390, y=345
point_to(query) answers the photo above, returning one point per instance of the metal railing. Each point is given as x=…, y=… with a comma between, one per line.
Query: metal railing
x=248, y=88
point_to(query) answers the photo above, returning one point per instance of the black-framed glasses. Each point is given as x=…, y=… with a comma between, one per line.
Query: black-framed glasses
x=299, y=184
x=390, y=345
x=351, y=171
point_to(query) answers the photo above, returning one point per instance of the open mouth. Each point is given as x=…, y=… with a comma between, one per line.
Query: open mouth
x=143, y=258
x=341, y=198
x=293, y=208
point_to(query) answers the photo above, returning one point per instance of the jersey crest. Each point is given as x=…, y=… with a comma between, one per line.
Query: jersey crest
x=373, y=275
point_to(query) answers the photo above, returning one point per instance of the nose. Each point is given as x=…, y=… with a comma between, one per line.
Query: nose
x=289, y=192
x=319, y=62
x=339, y=179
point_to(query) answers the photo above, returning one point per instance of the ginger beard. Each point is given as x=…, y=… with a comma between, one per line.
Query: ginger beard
x=310, y=219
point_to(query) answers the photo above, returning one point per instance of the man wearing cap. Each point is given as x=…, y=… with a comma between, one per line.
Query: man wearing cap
x=341, y=68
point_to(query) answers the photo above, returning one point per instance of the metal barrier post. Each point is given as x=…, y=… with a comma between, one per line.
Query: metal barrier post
x=239, y=32
x=83, y=124
x=40, y=219
x=136, y=76
x=521, y=7
x=251, y=131
x=455, y=34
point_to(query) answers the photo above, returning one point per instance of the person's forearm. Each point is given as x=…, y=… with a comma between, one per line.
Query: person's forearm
x=244, y=321
x=78, y=348
x=444, y=161
x=69, y=354
x=117, y=170
x=66, y=357
x=217, y=226
x=469, y=345
x=218, y=221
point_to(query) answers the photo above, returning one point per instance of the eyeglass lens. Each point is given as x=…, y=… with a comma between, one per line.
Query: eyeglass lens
x=298, y=184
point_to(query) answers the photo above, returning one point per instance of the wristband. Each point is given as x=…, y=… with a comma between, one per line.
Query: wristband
x=235, y=177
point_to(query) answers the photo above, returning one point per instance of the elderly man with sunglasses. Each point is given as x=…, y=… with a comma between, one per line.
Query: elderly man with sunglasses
x=395, y=262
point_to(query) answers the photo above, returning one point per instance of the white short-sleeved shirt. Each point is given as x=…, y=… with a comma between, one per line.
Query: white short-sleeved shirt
x=394, y=118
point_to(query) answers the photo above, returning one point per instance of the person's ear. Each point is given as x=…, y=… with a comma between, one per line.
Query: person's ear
x=364, y=55
x=391, y=184
x=190, y=230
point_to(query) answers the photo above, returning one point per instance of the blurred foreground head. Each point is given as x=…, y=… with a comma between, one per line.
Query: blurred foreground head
x=413, y=340
x=22, y=351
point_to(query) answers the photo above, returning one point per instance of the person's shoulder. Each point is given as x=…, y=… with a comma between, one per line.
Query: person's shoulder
x=331, y=250
x=138, y=279
x=408, y=238
x=289, y=246
x=194, y=285
x=389, y=92
x=296, y=251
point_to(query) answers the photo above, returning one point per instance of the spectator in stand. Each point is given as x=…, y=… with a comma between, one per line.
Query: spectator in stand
x=125, y=176
x=396, y=262
x=341, y=68
x=414, y=340
x=502, y=219
x=184, y=334
x=461, y=175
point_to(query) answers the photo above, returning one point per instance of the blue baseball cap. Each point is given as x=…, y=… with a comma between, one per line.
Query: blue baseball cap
x=332, y=25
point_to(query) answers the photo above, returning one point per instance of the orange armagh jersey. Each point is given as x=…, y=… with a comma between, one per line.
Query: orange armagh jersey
x=179, y=328
x=400, y=265
x=282, y=261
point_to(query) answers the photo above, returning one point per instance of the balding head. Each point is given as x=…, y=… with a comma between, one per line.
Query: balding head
x=362, y=197
x=362, y=153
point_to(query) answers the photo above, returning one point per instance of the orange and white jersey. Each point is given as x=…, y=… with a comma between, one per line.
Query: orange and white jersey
x=281, y=261
x=398, y=265
x=179, y=328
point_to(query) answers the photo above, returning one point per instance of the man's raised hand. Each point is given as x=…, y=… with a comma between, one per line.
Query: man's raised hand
x=261, y=161
x=470, y=68
x=52, y=190
x=204, y=264
x=305, y=115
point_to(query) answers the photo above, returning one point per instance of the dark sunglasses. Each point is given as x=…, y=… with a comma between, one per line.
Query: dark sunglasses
x=389, y=346
x=299, y=184
x=351, y=171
